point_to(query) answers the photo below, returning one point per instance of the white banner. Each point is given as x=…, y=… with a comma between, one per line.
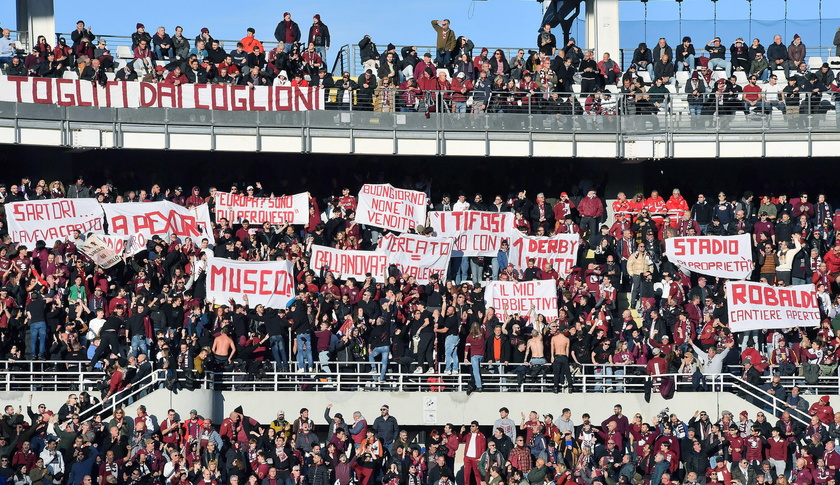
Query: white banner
x=756, y=306
x=100, y=252
x=163, y=219
x=52, y=220
x=116, y=94
x=721, y=256
x=510, y=297
x=288, y=209
x=387, y=206
x=560, y=250
x=349, y=264
x=129, y=245
x=476, y=233
x=269, y=283
x=418, y=256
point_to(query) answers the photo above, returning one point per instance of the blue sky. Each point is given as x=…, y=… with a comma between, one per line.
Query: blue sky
x=491, y=23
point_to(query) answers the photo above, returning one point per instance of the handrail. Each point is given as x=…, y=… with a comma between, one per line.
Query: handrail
x=105, y=408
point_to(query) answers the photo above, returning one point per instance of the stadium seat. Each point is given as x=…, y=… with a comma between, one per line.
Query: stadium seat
x=119, y=64
x=19, y=47
x=815, y=62
x=124, y=52
x=682, y=78
x=645, y=77
x=612, y=88
x=70, y=75
x=576, y=88
x=741, y=78
x=834, y=62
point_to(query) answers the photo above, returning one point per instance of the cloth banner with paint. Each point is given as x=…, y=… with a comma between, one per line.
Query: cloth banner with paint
x=52, y=220
x=269, y=283
x=475, y=233
x=510, y=297
x=288, y=209
x=756, y=306
x=418, y=256
x=721, y=256
x=386, y=206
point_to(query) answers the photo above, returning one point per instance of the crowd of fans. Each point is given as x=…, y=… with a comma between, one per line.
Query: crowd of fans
x=151, y=310
x=453, y=78
x=56, y=447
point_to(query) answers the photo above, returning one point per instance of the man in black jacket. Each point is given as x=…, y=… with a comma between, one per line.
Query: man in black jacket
x=287, y=31
x=253, y=78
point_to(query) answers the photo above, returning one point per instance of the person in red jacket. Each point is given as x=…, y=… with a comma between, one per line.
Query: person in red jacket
x=832, y=261
x=657, y=208
x=591, y=210
x=475, y=445
x=675, y=206
x=822, y=410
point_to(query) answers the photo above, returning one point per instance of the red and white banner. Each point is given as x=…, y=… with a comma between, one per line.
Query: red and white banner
x=476, y=233
x=101, y=253
x=384, y=205
x=510, y=297
x=721, y=256
x=349, y=264
x=52, y=220
x=269, y=283
x=756, y=306
x=116, y=94
x=560, y=250
x=288, y=209
x=418, y=256
x=158, y=219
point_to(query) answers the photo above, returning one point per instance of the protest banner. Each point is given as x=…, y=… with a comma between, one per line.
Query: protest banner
x=269, y=283
x=52, y=220
x=560, y=250
x=349, y=264
x=721, y=256
x=288, y=209
x=158, y=219
x=100, y=252
x=756, y=306
x=115, y=94
x=386, y=206
x=130, y=245
x=510, y=297
x=475, y=233
x=418, y=256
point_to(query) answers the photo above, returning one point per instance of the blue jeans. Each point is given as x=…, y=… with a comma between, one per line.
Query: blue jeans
x=287, y=47
x=322, y=51
x=683, y=67
x=603, y=371
x=695, y=109
x=444, y=57
x=160, y=52
x=139, y=345
x=278, y=350
x=385, y=352
x=494, y=268
x=476, y=361
x=717, y=62
x=477, y=271
x=451, y=353
x=38, y=339
x=324, y=360
x=304, y=355
x=459, y=267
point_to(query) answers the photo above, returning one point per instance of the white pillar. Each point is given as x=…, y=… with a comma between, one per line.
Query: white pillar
x=602, y=28
x=37, y=17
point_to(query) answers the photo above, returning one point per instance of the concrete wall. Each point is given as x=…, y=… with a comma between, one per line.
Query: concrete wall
x=410, y=408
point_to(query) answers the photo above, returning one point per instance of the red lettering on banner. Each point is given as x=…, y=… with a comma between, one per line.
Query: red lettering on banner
x=739, y=294
x=252, y=102
x=64, y=98
x=148, y=95
x=250, y=281
x=47, y=82
x=108, y=86
x=167, y=91
x=18, y=80
x=197, y=96
x=283, y=93
x=79, y=91
x=239, y=98
x=119, y=224
x=301, y=98
x=756, y=294
x=124, y=88
x=215, y=91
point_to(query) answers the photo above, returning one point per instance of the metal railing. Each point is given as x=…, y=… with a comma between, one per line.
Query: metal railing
x=106, y=407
